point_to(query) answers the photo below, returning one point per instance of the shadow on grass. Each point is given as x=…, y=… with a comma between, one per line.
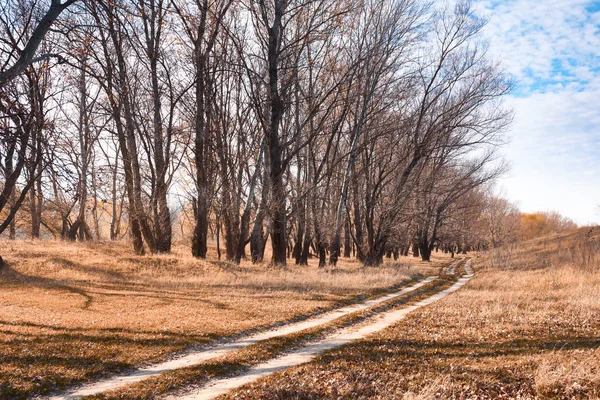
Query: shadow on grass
x=117, y=283
x=87, y=269
x=484, y=370
x=41, y=358
x=422, y=349
x=11, y=276
x=50, y=358
x=120, y=331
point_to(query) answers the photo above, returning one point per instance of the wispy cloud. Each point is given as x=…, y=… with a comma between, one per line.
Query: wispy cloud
x=552, y=48
x=548, y=44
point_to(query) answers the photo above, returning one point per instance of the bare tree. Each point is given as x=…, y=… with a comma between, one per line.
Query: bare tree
x=202, y=26
x=23, y=109
x=27, y=55
x=297, y=121
x=501, y=219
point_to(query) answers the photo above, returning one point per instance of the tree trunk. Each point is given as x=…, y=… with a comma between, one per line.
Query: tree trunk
x=358, y=225
x=77, y=230
x=218, y=221
x=415, y=248
x=134, y=225
x=199, y=240
x=95, y=206
x=374, y=259
x=12, y=228
x=322, y=255
x=231, y=235
x=36, y=195
x=276, y=108
x=305, y=247
x=140, y=223
x=118, y=94
x=162, y=217
x=424, y=248
x=114, y=229
x=245, y=220
x=347, y=239
x=256, y=237
x=299, y=242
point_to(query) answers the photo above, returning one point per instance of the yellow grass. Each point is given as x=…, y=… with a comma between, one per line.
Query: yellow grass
x=529, y=328
x=73, y=312
x=239, y=361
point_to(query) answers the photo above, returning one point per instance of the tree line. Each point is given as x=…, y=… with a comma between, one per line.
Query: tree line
x=368, y=127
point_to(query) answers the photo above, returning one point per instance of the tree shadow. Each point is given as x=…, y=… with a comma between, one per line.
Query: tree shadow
x=39, y=358
x=228, y=266
x=494, y=367
x=14, y=277
x=398, y=361
x=107, y=274
x=116, y=282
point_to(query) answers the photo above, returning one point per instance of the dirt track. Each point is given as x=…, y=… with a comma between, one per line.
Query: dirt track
x=302, y=355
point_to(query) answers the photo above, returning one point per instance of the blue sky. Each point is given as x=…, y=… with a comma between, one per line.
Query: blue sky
x=552, y=50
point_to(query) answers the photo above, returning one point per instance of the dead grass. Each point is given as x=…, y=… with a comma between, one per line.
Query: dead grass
x=241, y=360
x=70, y=313
x=528, y=330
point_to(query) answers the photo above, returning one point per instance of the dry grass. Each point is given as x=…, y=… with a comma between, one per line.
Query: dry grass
x=525, y=330
x=239, y=361
x=70, y=313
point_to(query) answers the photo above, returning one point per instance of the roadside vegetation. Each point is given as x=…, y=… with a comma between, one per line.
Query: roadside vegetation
x=240, y=361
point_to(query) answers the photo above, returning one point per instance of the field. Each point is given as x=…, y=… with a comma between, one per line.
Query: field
x=70, y=313
x=527, y=326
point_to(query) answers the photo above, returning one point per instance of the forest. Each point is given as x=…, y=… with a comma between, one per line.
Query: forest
x=321, y=128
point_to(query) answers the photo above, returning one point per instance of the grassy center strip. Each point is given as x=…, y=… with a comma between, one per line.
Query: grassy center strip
x=459, y=270
x=241, y=360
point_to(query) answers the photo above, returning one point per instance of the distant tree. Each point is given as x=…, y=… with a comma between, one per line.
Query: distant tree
x=501, y=219
x=202, y=23
x=24, y=121
x=544, y=223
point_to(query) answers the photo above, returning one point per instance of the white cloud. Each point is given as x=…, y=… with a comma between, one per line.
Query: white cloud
x=554, y=153
x=552, y=48
x=542, y=41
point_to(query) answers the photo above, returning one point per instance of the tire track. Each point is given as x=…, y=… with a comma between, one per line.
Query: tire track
x=200, y=356
x=307, y=353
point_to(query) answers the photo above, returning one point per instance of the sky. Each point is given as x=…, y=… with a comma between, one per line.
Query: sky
x=551, y=48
